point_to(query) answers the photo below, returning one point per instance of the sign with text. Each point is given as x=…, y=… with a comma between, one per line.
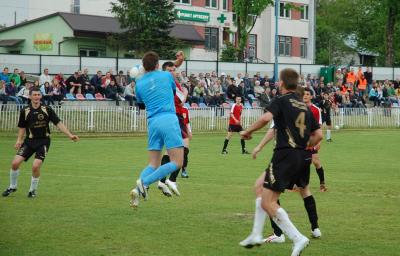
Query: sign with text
x=43, y=42
x=192, y=16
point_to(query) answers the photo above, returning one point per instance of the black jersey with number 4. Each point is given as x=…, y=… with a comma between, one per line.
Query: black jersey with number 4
x=36, y=121
x=293, y=121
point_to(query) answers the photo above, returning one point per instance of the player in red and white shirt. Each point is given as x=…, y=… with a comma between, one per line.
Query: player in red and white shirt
x=315, y=157
x=235, y=125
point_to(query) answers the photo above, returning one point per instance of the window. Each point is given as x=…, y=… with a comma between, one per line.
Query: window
x=224, y=5
x=85, y=52
x=304, y=12
x=252, y=50
x=211, y=39
x=303, y=47
x=76, y=7
x=285, y=46
x=211, y=3
x=182, y=1
x=284, y=12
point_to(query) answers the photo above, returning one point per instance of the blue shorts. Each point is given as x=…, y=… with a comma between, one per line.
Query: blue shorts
x=164, y=130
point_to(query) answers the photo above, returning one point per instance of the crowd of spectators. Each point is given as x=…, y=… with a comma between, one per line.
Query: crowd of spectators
x=349, y=89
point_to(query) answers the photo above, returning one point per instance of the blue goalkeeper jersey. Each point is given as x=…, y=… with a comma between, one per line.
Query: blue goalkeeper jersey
x=156, y=90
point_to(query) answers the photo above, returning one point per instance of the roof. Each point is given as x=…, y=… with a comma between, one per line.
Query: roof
x=93, y=25
x=10, y=42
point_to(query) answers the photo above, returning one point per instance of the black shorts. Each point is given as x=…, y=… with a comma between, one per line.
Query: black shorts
x=288, y=167
x=235, y=128
x=182, y=125
x=326, y=118
x=38, y=146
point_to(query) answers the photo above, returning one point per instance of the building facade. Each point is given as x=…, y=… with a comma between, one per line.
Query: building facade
x=214, y=22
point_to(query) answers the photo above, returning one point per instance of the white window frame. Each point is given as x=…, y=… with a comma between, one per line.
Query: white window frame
x=305, y=13
x=211, y=7
x=222, y=4
x=285, y=40
x=304, y=45
x=285, y=11
x=180, y=2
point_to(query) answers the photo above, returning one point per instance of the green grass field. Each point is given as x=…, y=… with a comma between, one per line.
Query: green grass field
x=82, y=206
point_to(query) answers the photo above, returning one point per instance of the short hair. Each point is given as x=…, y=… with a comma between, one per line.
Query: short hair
x=150, y=61
x=34, y=89
x=300, y=91
x=167, y=64
x=290, y=78
x=307, y=90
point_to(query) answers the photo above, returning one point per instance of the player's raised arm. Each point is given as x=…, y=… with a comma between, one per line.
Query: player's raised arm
x=180, y=58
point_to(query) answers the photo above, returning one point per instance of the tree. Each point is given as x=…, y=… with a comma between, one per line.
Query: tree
x=230, y=53
x=147, y=25
x=247, y=12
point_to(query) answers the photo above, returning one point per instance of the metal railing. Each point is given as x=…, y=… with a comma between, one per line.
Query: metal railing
x=113, y=119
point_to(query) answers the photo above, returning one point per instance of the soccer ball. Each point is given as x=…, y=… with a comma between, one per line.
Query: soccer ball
x=136, y=72
x=337, y=127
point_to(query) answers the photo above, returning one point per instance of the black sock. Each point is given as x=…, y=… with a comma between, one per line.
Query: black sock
x=172, y=176
x=165, y=159
x=277, y=230
x=225, y=144
x=311, y=208
x=320, y=172
x=185, y=157
x=243, y=143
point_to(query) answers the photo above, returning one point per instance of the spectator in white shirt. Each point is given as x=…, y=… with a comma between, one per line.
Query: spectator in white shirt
x=45, y=77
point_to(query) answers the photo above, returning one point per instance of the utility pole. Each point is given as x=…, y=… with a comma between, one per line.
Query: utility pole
x=15, y=18
x=276, y=40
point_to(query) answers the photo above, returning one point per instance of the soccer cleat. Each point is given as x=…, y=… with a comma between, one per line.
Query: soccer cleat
x=322, y=187
x=224, y=152
x=142, y=189
x=245, y=152
x=172, y=185
x=8, y=191
x=184, y=174
x=299, y=246
x=329, y=140
x=32, y=194
x=252, y=241
x=134, y=194
x=316, y=233
x=275, y=239
x=164, y=189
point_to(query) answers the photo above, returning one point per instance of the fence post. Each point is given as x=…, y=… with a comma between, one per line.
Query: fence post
x=398, y=117
x=80, y=62
x=341, y=123
x=135, y=126
x=213, y=112
x=91, y=118
x=370, y=113
x=40, y=64
x=186, y=67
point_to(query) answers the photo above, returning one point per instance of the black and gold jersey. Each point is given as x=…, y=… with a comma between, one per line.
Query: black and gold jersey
x=293, y=121
x=36, y=121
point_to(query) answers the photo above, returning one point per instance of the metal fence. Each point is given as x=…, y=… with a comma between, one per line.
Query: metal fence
x=99, y=119
x=34, y=64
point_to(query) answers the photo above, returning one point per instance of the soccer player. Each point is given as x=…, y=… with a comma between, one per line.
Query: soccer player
x=295, y=129
x=186, y=121
x=33, y=123
x=255, y=238
x=156, y=90
x=179, y=99
x=234, y=125
x=314, y=151
x=326, y=106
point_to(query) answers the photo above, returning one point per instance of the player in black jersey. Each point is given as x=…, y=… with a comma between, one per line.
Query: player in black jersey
x=296, y=129
x=34, y=123
x=326, y=106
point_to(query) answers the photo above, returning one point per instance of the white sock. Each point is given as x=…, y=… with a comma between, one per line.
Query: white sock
x=14, y=178
x=259, y=218
x=328, y=134
x=34, y=183
x=282, y=220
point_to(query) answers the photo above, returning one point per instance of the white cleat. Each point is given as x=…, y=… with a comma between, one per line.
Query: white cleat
x=172, y=185
x=142, y=189
x=316, y=233
x=252, y=241
x=275, y=239
x=134, y=194
x=299, y=246
x=164, y=189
